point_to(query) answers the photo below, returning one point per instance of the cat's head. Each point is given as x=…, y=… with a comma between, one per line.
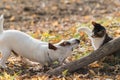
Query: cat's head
x=98, y=31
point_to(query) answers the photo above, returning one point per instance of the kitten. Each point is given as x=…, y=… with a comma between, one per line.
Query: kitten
x=98, y=35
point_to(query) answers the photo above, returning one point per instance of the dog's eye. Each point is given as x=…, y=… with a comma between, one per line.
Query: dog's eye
x=65, y=43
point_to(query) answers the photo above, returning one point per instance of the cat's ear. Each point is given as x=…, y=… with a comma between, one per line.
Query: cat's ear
x=95, y=24
x=51, y=46
x=98, y=26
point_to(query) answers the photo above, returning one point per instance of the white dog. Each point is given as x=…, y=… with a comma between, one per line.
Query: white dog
x=32, y=49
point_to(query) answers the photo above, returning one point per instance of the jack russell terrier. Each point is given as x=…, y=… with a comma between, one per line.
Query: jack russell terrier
x=21, y=43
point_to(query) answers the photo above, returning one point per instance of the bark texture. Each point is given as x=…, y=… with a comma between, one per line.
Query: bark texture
x=106, y=49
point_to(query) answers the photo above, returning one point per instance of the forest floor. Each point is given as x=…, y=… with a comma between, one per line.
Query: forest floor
x=54, y=20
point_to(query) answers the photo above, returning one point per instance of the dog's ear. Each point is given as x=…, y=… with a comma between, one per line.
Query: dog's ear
x=65, y=43
x=51, y=46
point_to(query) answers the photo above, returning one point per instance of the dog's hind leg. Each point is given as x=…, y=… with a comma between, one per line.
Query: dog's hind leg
x=5, y=54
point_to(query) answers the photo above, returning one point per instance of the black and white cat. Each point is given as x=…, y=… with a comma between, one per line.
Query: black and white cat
x=98, y=35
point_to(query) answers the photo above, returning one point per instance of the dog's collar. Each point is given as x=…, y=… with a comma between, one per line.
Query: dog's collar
x=50, y=60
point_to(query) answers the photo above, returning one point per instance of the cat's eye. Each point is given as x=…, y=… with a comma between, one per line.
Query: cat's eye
x=101, y=32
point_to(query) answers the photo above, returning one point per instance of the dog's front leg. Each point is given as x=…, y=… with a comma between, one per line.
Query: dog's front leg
x=5, y=55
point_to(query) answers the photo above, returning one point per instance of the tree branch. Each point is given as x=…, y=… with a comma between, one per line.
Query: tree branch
x=106, y=49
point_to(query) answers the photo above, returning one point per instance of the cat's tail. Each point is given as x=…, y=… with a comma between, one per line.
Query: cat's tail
x=1, y=23
x=86, y=30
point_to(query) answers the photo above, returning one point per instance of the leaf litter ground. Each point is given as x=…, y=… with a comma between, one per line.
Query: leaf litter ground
x=55, y=20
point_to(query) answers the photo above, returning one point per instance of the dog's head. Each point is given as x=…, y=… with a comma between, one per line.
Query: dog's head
x=98, y=31
x=62, y=49
x=64, y=46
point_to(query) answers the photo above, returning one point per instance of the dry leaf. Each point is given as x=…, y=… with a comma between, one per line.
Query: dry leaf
x=8, y=7
x=12, y=18
x=95, y=65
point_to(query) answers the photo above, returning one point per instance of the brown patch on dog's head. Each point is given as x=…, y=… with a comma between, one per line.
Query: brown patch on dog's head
x=51, y=46
x=65, y=43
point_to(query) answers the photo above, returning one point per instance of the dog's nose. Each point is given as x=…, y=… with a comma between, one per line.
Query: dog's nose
x=77, y=40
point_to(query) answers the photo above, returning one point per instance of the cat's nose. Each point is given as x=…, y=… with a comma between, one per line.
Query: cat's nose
x=93, y=36
x=77, y=40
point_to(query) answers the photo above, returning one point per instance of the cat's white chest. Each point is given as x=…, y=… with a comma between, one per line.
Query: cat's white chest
x=97, y=42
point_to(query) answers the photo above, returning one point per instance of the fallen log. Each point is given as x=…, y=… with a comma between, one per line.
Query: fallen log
x=103, y=51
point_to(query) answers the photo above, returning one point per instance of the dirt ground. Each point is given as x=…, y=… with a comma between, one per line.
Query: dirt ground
x=52, y=16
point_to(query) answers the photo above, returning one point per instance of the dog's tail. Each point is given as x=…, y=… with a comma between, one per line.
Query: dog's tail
x=1, y=23
x=86, y=30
